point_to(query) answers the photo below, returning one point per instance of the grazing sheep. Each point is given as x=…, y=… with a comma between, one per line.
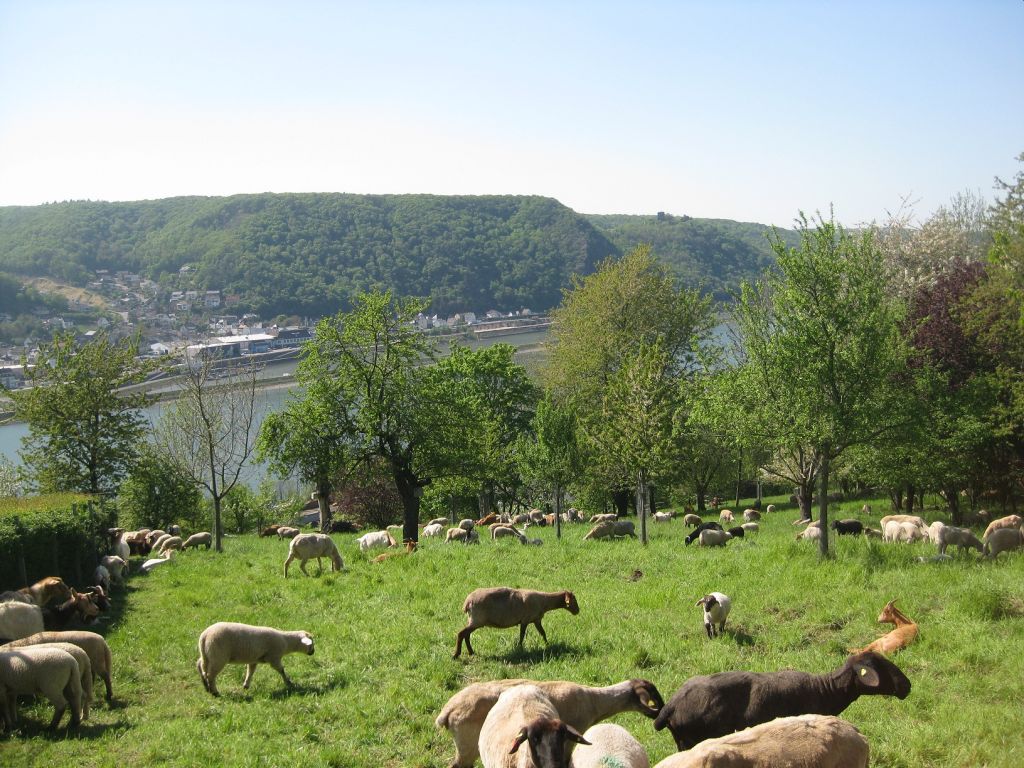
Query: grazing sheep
x=94, y=645
x=580, y=706
x=462, y=536
x=228, y=642
x=751, y=527
x=19, y=620
x=270, y=530
x=738, y=532
x=848, y=527
x=691, y=520
x=912, y=519
x=376, y=540
x=466, y=524
x=716, y=611
x=662, y=517
x=433, y=529
x=610, y=746
x=751, y=515
x=442, y=521
x=507, y=531
x=769, y=509
x=287, y=532
x=707, y=706
x=607, y=517
x=1010, y=521
x=159, y=542
x=963, y=538
x=695, y=533
x=725, y=516
x=899, y=638
x=811, y=532
x=171, y=542
x=804, y=741
x=610, y=529
x=154, y=536
x=203, y=538
x=524, y=714
x=1003, y=540
x=50, y=672
x=309, y=545
x=713, y=538
x=503, y=607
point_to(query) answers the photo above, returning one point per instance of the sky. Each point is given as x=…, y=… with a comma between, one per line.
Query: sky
x=751, y=111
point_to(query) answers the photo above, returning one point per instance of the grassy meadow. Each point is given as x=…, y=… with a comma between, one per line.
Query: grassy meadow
x=385, y=634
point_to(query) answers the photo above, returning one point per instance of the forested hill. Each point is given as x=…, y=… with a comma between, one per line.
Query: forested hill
x=715, y=254
x=308, y=253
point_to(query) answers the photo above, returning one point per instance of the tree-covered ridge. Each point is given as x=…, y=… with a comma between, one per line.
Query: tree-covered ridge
x=308, y=253
x=715, y=254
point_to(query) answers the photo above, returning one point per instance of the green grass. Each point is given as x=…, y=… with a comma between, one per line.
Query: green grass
x=385, y=634
x=33, y=505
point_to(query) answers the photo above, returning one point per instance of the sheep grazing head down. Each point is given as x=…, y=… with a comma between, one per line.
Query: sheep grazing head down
x=547, y=740
x=307, y=643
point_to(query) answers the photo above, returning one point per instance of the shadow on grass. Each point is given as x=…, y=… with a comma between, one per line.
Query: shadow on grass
x=523, y=655
x=317, y=688
x=87, y=730
x=740, y=636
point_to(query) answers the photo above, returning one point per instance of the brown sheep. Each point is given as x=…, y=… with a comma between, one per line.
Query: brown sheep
x=503, y=607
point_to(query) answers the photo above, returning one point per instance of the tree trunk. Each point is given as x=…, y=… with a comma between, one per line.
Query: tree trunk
x=911, y=495
x=826, y=461
x=621, y=501
x=896, y=497
x=804, y=498
x=953, y=502
x=218, y=527
x=641, y=504
x=701, y=503
x=739, y=476
x=558, y=510
x=410, y=491
x=323, y=501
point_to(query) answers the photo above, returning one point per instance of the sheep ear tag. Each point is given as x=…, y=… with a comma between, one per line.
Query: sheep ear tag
x=520, y=738
x=868, y=676
x=567, y=601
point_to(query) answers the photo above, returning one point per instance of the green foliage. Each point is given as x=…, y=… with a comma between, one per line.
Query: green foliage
x=83, y=433
x=246, y=510
x=10, y=480
x=158, y=493
x=55, y=535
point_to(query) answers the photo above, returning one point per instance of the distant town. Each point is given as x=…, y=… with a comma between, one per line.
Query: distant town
x=198, y=323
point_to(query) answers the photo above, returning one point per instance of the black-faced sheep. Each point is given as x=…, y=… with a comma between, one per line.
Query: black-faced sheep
x=849, y=527
x=504, y=607
x=707, y=706
x=524, y=715
x=692, y=536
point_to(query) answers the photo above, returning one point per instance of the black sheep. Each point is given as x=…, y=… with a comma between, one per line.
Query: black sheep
x=702, y=527
x=850, y=526
x=737, y=532
x=708, y=706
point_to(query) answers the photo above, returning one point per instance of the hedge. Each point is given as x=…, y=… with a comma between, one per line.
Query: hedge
x=59, y=535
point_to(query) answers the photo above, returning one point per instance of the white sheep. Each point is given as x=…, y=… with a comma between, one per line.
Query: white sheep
x=49, y=672
x=1003, y=540
x=811, y=532
x=203, y=538
x=769, y=509
x=309, y=545
x=507, y=531
x=610, y=529
x=84, y=668
x=581, y=706
x=442, y=521
x=716, y=611
x=691, y=520
x=751, y=527
x=169, y=543
x=116, y=566
x=158, y=542
x=897, y=530
x=462, y=536
x=725, y=516
x=121, y=548
x=433, y=529
x=606, y=517
x=155, y=562
x=962, y=538
x=711, y=537
x=504, y=607
x=662, y=517
x=751, y=515
x=913, y=519
x=1010, y=521
x=932, y=532
x=524, y=715
x=287, y=532
x=228, y=642
x=803, y=741
x=611, y=746
x=93, y=644
x=376, y=540
x=19, y=620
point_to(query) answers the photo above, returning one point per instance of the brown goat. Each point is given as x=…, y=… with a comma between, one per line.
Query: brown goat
x=901, y=637
x=47, y=589
x=410, y=547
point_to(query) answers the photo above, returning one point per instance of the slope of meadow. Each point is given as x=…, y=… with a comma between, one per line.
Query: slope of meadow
x=385, y=634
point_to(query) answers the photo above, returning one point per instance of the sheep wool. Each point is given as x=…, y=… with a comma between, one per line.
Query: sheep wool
x=523, y=730
x=611, y=746
x=18, y=620
x=90, y=642
x=50, y=672
x=227, y=642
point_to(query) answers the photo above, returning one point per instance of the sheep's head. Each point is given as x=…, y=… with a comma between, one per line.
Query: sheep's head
x=548, y=739
x=708, y=601
x=306, y=640
x=648, y=697
x=888, y=614
x=873, y=674
x=570, y=603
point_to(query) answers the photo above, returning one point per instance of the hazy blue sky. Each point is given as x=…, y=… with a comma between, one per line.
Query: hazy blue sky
x=740, y=110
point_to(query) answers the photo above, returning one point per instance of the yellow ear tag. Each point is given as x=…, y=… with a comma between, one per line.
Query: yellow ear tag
x=863, y=672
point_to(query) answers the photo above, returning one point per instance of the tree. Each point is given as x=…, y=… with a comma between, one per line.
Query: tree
x=157, y=493
x=823, y=352
x=210, y=430
x=551, y=454
x=84, y=430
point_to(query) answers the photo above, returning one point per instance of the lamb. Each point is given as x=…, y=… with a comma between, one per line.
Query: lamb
x=963, y=538
x=50, y=672
x=662, y=517
x=462, y=536
x=725, y=516
x=203, y=538
x=1003, y=540
x=716, y=611
x=751, y=515
x=309, y=545
x=505, y=531
x=1010, y=521
x=94, y=645
x=610, y=745
x=611, y=528
x=691, y=520
x=804, y=741
x=580, y=706
x=433, y=529
x=848, y=527
x=117, y=567
x=503, y=607
x=524, y=714
x=228, y=642
x=751, y=527
x=695, y=533
x=897, y=530
x=376, y=540
x=287, y=532
x=19, y=620
x=713, y=538
x=901, y=637
x=714, y=705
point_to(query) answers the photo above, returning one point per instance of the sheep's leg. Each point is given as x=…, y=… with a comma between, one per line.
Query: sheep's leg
x=302, y=566
x=276, y=664
x=721, y=627
x=522, y=633
x=541, y=630
x=709, y=628
x=110, y=690
x=463, y=635
x=250, y=670
x=319, y=566
x=286, y=562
